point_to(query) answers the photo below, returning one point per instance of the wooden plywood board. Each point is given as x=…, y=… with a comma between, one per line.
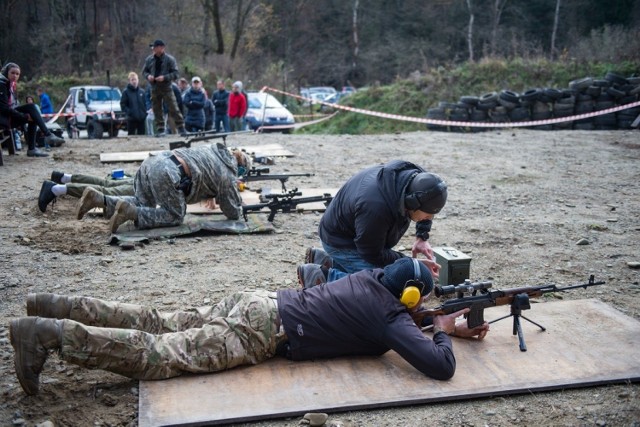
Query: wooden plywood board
x=586, y=343
x=275, y=150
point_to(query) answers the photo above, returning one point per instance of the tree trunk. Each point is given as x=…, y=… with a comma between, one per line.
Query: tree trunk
x=470, y=32
x=498, y=7
x=356, y=42
x=241, y=19
x=554, y=33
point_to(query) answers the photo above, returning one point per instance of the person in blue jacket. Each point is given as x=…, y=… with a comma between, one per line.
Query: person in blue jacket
x=194, y=100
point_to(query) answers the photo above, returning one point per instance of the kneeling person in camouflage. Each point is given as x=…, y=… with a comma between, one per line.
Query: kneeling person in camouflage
x=167, y=182
x=245, y=328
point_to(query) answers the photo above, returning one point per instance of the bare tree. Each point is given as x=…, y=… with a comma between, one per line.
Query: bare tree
x=470, y=30
x=212, y=12
x=354, y=30
x=241, y=19
x=554, y=33
x=498, y=7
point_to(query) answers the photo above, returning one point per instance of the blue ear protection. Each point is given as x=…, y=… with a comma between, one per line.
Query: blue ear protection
x=413, y=289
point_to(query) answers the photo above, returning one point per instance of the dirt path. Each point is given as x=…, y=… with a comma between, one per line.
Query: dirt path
x=519, y=202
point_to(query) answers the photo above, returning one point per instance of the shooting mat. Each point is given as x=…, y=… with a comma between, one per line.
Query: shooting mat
x=275, y=150
x=192, y=224
x=586, y=343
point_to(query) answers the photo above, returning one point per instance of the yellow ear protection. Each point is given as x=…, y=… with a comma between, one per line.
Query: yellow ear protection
x=412, y=291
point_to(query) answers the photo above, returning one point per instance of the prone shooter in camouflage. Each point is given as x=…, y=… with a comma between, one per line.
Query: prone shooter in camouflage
x=167, y=182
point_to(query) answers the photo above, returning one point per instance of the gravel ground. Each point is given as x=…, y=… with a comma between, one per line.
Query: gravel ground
x=519, y=202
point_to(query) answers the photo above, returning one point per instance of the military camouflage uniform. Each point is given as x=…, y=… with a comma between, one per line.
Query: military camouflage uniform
x=213, y=174
x=107, y=186
x=140, y=342
x=162, y=91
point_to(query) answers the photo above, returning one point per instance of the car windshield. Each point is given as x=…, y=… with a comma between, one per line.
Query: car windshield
x=103, y=95
x=257, y=100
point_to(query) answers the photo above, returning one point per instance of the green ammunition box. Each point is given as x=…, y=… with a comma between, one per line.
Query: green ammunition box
x=455, y=265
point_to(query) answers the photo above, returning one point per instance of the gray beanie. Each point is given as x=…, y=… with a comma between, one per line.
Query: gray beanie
x=396, y=276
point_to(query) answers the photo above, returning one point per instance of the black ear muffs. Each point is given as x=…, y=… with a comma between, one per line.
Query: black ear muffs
x=413, y=289
x=412, y=202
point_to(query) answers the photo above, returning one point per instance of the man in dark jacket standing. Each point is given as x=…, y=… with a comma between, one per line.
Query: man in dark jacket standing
x=220, y=100
x=133, y=104
x=359, y=315
x=160, y=70
x=370, y=214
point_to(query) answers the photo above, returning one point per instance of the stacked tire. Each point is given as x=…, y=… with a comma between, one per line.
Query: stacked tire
x=584, y=95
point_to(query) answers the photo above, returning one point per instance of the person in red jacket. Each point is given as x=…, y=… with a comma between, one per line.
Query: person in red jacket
x=237, y=107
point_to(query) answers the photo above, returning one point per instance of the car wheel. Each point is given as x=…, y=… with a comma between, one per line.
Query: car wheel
x=113, y=131
x=94, y=130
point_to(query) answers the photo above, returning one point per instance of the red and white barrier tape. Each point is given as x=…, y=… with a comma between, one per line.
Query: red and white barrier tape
x=462, y=124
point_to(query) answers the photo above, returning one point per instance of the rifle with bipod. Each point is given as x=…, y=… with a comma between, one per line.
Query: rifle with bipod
x=285, y=202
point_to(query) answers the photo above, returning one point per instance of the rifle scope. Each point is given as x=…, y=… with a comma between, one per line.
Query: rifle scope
x=460, y=289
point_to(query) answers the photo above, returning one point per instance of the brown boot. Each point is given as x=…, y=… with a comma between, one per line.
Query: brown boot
x=91, y=198
x=51, y=306
x=124, y=212
x=32, y=338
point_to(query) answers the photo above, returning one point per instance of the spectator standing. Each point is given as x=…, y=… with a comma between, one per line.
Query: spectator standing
x=237, y=107
x=209, y=113
x=160, y=70
x=220, y=100
x=134, y=105
x=46, y=107
x=194, y=101
x=184, y=87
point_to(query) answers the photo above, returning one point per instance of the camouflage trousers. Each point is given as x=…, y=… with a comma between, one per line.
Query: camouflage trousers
x=163, y=94
x=142, y=343
x=158, y=201
x=107, y=186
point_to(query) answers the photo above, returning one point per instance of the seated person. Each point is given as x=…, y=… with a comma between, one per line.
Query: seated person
x=14, y=116
x=301, y=324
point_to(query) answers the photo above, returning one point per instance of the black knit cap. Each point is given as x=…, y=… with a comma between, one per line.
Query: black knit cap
x=396, y=276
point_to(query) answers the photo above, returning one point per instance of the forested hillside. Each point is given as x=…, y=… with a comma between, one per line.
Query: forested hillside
x=294, y=43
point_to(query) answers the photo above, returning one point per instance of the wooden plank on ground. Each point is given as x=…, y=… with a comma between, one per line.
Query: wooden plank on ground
x=274, y=150
x=586, y=343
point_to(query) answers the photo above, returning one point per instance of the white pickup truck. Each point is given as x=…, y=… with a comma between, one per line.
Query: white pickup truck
x=95, y=109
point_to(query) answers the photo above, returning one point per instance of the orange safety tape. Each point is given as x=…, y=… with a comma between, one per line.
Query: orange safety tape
x=457, y=123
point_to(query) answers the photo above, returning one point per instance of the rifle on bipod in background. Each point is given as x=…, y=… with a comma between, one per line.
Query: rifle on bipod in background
x=286, y=202
x=203, y=136
x=482, y=297
x=262, y=174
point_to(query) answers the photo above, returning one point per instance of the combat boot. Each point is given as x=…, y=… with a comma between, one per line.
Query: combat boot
x=318, y=256
x=91, y=198
x=32, y=338
x=51, y=306
x=124, y=212
x=310, y=275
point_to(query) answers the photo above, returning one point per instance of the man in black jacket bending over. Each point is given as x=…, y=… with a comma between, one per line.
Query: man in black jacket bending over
x=366, y=313
x=368, y=217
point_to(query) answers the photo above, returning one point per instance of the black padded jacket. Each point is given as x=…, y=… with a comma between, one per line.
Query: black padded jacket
x=368, y=213
x=357, y=316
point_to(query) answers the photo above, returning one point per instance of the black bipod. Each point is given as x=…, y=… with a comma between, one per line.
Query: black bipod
x=520, y=302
